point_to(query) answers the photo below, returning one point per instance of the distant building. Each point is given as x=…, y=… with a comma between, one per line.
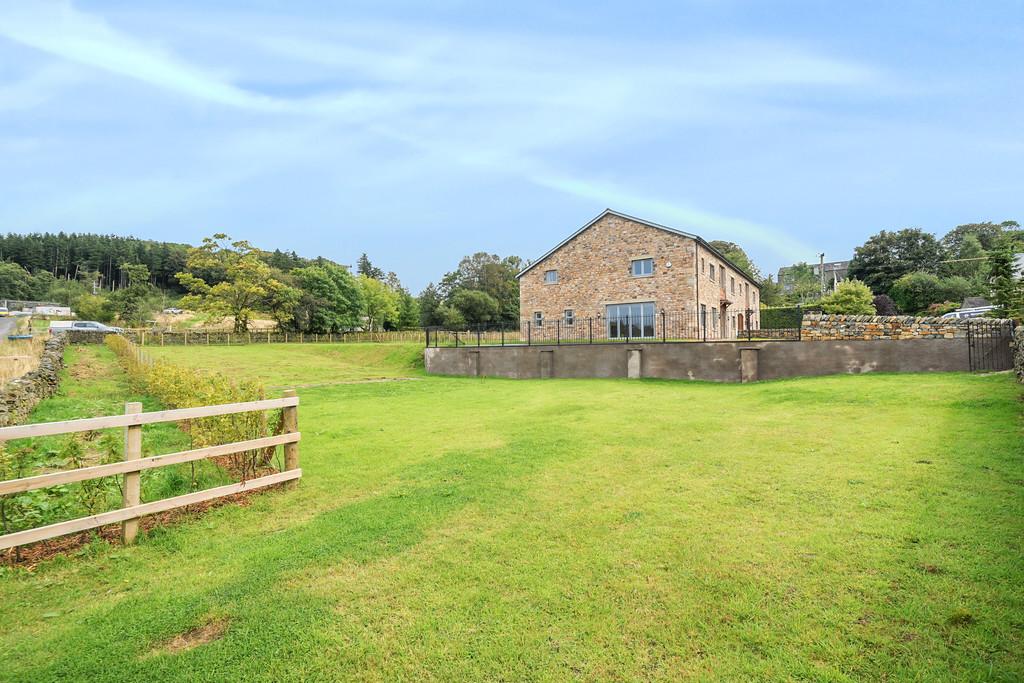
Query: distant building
x=835, y=272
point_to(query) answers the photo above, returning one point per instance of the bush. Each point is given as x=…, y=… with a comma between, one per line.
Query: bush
x=852, y=297
x=884, y=305
x=179, y=387
x=915, y=292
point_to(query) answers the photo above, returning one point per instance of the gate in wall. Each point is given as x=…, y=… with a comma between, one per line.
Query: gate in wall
x=988, y=345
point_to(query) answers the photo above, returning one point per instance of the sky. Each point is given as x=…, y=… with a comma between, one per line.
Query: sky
x=421, y=132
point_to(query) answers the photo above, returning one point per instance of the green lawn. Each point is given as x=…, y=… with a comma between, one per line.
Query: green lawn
x=289, y=365
x=854, y=528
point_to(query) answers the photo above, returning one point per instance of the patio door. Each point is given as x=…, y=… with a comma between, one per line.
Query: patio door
x=630, y=321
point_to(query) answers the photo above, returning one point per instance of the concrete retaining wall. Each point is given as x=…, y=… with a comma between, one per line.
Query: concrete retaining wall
x=718, y=362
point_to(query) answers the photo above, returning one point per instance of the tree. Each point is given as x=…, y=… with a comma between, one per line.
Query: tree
x=380, y=303
x=476, y=307
x=970, y=260
x=488, y=273
x=884, y=305
x=888, y=256
x=1007, y=285
x=801, y=284
x=15, y=282
x=429, y=302
x=364, y=267
x=408, y=310
x=132, y=302
x=915, y=292
x=330, y=299
x=987, y=234
x=738, y=256
x=247, y=283
x=851, y=297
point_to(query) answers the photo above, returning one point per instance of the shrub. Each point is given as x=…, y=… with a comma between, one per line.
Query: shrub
x=179, y=387
x=852, y=297
x=914, y=292
x=884, y=305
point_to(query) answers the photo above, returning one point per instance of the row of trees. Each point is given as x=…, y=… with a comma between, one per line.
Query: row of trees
x=913, y=272
x=233, y=279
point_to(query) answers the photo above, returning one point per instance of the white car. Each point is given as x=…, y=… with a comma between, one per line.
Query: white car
x=976, y=312
x=83, y=326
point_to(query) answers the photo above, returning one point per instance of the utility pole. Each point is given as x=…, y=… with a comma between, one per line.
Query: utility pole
x=821, y=271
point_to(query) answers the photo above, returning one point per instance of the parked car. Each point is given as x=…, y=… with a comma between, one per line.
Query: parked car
x=173, y=311
x=4, y=312
x=82, y=325
x=975, y=312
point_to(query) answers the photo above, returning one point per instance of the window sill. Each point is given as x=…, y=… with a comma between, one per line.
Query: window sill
x=641, y=277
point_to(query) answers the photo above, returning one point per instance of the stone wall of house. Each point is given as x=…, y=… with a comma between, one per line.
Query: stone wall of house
x=594, y=270
x=1018, y=353
x=827, y=327
x=21, y=395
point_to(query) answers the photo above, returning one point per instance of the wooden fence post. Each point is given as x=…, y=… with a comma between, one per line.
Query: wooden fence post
x=132, y=480
x=290, y=425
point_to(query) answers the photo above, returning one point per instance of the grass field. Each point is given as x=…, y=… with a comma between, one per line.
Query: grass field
x=850, y=528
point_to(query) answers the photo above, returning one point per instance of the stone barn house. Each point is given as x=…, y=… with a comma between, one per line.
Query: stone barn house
x=627, y=276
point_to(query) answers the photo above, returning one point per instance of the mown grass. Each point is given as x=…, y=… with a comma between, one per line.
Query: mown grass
x=847, y=528
x=287, y=365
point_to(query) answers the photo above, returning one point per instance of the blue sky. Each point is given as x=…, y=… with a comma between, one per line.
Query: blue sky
x=422, y=133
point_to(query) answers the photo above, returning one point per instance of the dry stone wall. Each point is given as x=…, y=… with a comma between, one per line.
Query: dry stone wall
x=829, y=327
x=21, y=395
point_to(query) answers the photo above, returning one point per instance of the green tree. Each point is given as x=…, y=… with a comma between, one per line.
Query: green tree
x=93, y=307
x=738, y=256
x=133, y=303
x=888, y=256
x=366, y=268
x=380, y=303
x=1007, y=285
x=915, y=292
x=476, y=307
x=851, y=297
x=801, y=285
x=408, y=310
x=247, y=283
x=15, y=282
x=488, y=273
x=429, y=302
x=330, y=300
x=987, y=234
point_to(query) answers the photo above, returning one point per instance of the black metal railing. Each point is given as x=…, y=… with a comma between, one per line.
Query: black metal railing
x=661, y=327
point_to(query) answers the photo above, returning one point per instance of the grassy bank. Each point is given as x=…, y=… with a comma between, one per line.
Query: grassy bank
x=849, y=528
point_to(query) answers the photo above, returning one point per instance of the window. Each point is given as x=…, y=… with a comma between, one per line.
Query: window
x=570, y=317
x=550, y=277
x=538, y=319
x=732, y=284
x=642, y=267
x=704, y=315
x=630, y=321
x=721, y=272
x=703, y=268
x=714, y=319
x=711, y=273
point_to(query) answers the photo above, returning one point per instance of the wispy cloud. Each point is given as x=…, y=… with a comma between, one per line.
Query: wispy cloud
x=487, y=102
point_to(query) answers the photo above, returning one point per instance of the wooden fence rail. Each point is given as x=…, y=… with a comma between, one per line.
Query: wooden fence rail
x=132, y=421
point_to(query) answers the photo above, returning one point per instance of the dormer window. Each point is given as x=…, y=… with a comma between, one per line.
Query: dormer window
x=550, y=277
x=642, y=267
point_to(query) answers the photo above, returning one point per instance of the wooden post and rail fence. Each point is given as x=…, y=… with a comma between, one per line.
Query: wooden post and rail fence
x=133, y=464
